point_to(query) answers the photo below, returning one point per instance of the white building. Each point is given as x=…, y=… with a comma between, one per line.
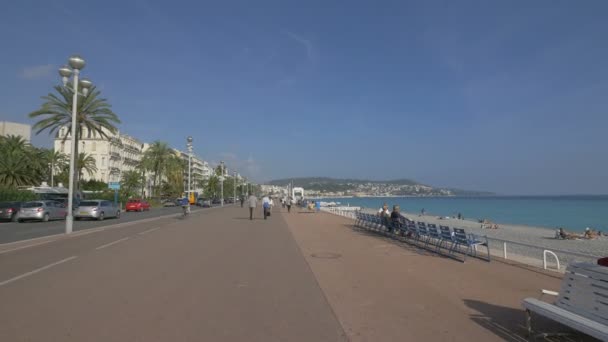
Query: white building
x=113, y=155
x=200, y=170
x=13, y=128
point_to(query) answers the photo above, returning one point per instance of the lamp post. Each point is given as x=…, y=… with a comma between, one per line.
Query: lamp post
x=234, y=180
x=51, y=167
x=189, y=145
x=76, y=64
x=222, y=183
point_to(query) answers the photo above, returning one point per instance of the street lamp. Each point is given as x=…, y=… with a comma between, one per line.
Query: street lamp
x=222, y=183
x=189, y=145
x=234, y=180
x=51, y=167
x=76, y=64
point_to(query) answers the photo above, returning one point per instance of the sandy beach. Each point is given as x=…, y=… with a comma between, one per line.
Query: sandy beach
x=533, y=241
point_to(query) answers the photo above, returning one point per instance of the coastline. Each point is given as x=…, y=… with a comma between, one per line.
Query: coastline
x=536, y=239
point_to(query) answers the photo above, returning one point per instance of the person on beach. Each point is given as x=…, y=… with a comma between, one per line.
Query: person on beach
x=459, y=216
x=422, y=212
x=253, y=202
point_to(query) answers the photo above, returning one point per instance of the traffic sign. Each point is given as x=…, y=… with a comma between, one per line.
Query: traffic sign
x=114, y=185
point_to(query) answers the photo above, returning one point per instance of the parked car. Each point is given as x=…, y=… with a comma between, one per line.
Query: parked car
x=170, y=203
x=42, y=211
x=205, y=203
x=97, y=209
x=10, y=210
x=137, y=205
x=216, y=201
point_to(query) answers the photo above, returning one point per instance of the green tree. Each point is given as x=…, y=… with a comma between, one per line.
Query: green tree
x=94, y=185
x=93, y=112
x=87, y=163
x=56, y=161
x=174, y=184
x=155, y=160
x=20, y=163
x=131, y=182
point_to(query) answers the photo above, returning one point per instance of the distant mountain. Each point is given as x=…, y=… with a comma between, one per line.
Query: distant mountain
x=362, y=187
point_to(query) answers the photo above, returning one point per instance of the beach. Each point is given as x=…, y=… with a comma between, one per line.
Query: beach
x=524, y=243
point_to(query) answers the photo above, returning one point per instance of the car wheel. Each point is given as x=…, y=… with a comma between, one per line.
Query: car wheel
x=118, y=214
x=45, y=218
x=20, y=220
x=100, y=218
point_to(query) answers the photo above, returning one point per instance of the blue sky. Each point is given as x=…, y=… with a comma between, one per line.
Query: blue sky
x=503, y=96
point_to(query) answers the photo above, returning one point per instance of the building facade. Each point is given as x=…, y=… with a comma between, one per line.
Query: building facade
x=13, y=128
x=201, y=170
x=114, y=155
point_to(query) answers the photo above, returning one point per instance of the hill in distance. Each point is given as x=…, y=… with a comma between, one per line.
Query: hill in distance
x=396, y=187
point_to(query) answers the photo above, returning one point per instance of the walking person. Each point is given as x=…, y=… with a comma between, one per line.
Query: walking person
x=266, y=205
x=289, y=203
x=242, y=200
x=253, y=202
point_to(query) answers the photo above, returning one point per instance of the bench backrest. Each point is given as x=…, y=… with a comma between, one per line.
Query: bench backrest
x=460, y=236
x=445, y=233
x=433, y=232
x=421, y=224
x=584, y=291
x=422, y=229
x=411, y=227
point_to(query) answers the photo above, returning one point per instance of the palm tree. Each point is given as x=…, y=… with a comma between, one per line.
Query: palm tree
x=93, y=112
x=175, y=175
x=155, y=160
x=56, y=159
x=20, y=163
x=130, y=183
x=85, y=162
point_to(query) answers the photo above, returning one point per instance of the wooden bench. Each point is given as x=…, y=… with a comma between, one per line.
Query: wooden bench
x=582, y=303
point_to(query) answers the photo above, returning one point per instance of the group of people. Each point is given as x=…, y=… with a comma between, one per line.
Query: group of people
x=589, y=234
x=390, y=219
x=267, y=204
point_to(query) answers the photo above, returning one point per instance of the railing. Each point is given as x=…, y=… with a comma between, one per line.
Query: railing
x=507, y=249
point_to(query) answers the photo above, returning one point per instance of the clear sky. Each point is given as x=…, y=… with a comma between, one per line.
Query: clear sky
x=504, y=96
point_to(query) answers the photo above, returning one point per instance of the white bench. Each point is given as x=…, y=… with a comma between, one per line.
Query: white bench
x=582, y=303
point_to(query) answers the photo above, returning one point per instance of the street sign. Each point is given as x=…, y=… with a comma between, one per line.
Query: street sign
x=114, y=185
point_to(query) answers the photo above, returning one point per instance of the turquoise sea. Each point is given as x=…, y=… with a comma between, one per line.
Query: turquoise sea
x=574, y=213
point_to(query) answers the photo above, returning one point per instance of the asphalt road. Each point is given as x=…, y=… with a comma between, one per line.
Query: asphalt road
x=14, y=231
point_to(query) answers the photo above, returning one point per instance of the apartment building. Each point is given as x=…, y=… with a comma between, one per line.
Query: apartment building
x=13, y=128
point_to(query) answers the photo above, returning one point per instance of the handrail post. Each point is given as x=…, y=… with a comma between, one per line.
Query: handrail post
x=504, y=250
x=545, y=252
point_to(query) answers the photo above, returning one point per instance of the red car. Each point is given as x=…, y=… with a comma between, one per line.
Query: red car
x=137, y=205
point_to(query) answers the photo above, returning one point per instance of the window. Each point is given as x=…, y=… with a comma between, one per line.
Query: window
x=103, y=176
x=94, y=147
x=62, y=147
x=103, y=161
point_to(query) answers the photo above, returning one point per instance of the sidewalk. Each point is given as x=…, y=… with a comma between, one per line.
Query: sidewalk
x=217, y=276
x=383, y=290
x=214, y=276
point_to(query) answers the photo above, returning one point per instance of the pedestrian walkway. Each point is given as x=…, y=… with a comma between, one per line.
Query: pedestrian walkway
x=217, y=276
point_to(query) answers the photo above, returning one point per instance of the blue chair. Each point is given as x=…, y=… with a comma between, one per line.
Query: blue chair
x=423, y=234
x=445, y=237
x=434, y=235
x=469, y=242
x=412, y=232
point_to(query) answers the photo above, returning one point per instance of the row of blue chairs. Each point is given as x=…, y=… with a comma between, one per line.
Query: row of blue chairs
x=427, y=235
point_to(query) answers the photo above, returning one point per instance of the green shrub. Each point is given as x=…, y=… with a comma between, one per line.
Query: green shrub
x=13, y=195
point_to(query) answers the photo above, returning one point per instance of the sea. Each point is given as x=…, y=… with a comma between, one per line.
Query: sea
x=574, y=213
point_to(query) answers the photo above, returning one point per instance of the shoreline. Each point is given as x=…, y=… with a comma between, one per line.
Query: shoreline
x=537, y=239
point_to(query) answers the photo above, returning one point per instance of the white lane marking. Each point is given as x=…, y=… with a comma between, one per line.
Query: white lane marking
x=148, y=231
x=111, y=243
x=37, y=270
x=26, y=246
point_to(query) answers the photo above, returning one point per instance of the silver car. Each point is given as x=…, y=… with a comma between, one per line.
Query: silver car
x=42, y=211
x=96, y=209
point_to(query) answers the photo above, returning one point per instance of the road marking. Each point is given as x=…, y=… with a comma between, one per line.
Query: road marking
x=26, y=246
x=37, y=270
x=111, y=243
x=148, y=231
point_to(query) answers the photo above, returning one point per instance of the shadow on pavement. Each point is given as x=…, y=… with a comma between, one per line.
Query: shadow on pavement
x=509, y=323
x=394, y=240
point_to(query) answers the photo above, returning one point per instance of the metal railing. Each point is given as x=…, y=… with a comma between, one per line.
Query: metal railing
x=507, y=249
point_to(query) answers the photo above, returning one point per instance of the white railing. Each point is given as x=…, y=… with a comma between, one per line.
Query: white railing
x=510, y=249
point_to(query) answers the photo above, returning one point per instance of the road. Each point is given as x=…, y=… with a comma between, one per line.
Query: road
x=14, y=231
